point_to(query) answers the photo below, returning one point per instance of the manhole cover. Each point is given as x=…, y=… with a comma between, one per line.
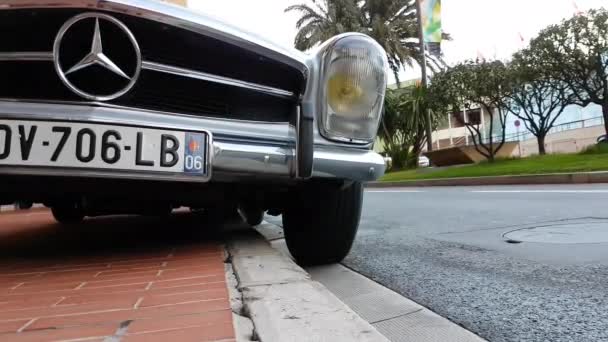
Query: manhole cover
x=579, y=232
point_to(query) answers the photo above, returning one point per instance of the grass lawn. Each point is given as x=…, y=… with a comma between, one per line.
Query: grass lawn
x=591, y=160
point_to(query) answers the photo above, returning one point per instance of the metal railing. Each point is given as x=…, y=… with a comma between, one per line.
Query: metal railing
x=566, y=126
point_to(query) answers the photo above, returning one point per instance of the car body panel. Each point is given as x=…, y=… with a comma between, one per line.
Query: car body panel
x=245, y=149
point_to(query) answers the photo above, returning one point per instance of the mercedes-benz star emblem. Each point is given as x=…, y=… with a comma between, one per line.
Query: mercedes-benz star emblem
x=97, y=57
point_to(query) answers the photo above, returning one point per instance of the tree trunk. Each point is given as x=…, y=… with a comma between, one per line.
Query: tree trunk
x=399, y=158
x=540, y=139
x=605, y=114
x=412, y=160
x=492, y=151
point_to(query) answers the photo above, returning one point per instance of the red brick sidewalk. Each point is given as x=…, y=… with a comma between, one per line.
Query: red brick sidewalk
x=171, y=293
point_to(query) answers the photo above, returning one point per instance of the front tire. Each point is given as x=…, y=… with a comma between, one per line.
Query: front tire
x=253, y=216
x=24, y=205
x=68, y=214
x=321, y=222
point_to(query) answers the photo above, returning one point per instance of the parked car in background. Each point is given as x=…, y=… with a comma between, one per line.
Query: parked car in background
x=139, y=107
x=388, y=162
x=424, y=161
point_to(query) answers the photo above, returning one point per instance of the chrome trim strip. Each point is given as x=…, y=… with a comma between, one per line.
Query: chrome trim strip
x=164, y=68
x=26, y=56
x=329, y=162
x=234, y=162
x=241, y=149
x=298, y=143
x=89, y=104
x=199, y=75
x=275, y=133
x=278, y=132
x=179, y=17
x=347, y=163
x=251, y=160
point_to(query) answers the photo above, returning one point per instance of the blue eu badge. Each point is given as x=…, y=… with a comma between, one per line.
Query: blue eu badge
x=194, y=159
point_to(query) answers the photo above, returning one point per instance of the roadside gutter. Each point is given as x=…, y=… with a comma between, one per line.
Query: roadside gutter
x=551, y=178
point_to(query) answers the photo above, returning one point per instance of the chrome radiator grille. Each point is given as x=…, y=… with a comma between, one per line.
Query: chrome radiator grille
x=180, y=71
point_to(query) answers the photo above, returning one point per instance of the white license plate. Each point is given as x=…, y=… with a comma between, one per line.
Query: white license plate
x=101, y=146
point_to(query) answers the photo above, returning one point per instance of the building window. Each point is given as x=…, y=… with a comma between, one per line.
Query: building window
x=457, y=120
x=474, y=116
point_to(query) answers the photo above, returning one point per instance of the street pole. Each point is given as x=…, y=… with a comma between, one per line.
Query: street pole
x=518, y=141
x=429, y=130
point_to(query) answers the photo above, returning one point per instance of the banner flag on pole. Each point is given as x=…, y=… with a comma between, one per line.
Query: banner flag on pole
x=430, y=12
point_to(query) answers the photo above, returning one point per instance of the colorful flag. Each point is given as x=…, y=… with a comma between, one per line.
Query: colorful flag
x=179, y=2
x=430, y=14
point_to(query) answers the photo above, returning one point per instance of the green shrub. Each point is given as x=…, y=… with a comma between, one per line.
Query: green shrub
x=600, y=148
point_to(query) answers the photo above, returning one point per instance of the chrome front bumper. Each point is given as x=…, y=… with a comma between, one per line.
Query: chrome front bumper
x=242, y=149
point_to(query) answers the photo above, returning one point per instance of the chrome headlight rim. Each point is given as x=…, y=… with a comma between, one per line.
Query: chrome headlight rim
x=324, y=56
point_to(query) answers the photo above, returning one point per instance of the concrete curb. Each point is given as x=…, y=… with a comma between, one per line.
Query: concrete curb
x=396, y=317
x=4, y=208
x=282, y=301
x=552, y=178
x=12, y=208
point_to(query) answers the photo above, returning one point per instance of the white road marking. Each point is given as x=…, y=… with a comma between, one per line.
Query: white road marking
x=544, y=191
x=395, y=191
x=30, y=322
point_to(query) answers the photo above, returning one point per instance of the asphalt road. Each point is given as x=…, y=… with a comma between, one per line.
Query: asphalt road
x=515, y=263
x=446, y=248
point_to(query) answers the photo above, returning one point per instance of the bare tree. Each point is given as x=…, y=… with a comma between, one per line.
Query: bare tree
x=479, y=84
x=576, y=53
x=538, y=99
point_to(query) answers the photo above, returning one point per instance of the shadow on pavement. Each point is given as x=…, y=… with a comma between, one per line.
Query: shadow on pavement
x=35, y=235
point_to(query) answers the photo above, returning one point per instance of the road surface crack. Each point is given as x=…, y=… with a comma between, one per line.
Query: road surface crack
x=244, y=326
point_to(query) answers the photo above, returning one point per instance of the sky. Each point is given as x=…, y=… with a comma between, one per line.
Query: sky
x=488, y=28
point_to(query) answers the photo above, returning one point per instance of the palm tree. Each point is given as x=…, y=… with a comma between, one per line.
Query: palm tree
x=402, y=128
x=392, y=23
x=323, y=20
x=394, y=132
x=419, y=105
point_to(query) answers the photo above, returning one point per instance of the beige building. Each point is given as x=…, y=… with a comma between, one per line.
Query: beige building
x=454, y=133
x=569, y=137
x=565, y=141
x=178, y=2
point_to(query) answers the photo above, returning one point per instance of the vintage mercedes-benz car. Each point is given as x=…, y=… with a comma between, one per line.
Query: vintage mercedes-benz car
x=140, y=106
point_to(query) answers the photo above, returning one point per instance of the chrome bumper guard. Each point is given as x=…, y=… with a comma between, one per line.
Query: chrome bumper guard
x=266, y=150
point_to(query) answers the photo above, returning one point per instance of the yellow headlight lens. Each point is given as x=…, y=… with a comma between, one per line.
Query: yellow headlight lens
x=352, y=86
x=343, y=93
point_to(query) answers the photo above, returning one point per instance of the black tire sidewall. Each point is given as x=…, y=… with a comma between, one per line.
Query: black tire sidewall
x=67, y=215
x=321, y=222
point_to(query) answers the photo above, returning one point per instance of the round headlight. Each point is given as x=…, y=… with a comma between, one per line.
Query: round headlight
x=352, y=88
x=355, y=83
